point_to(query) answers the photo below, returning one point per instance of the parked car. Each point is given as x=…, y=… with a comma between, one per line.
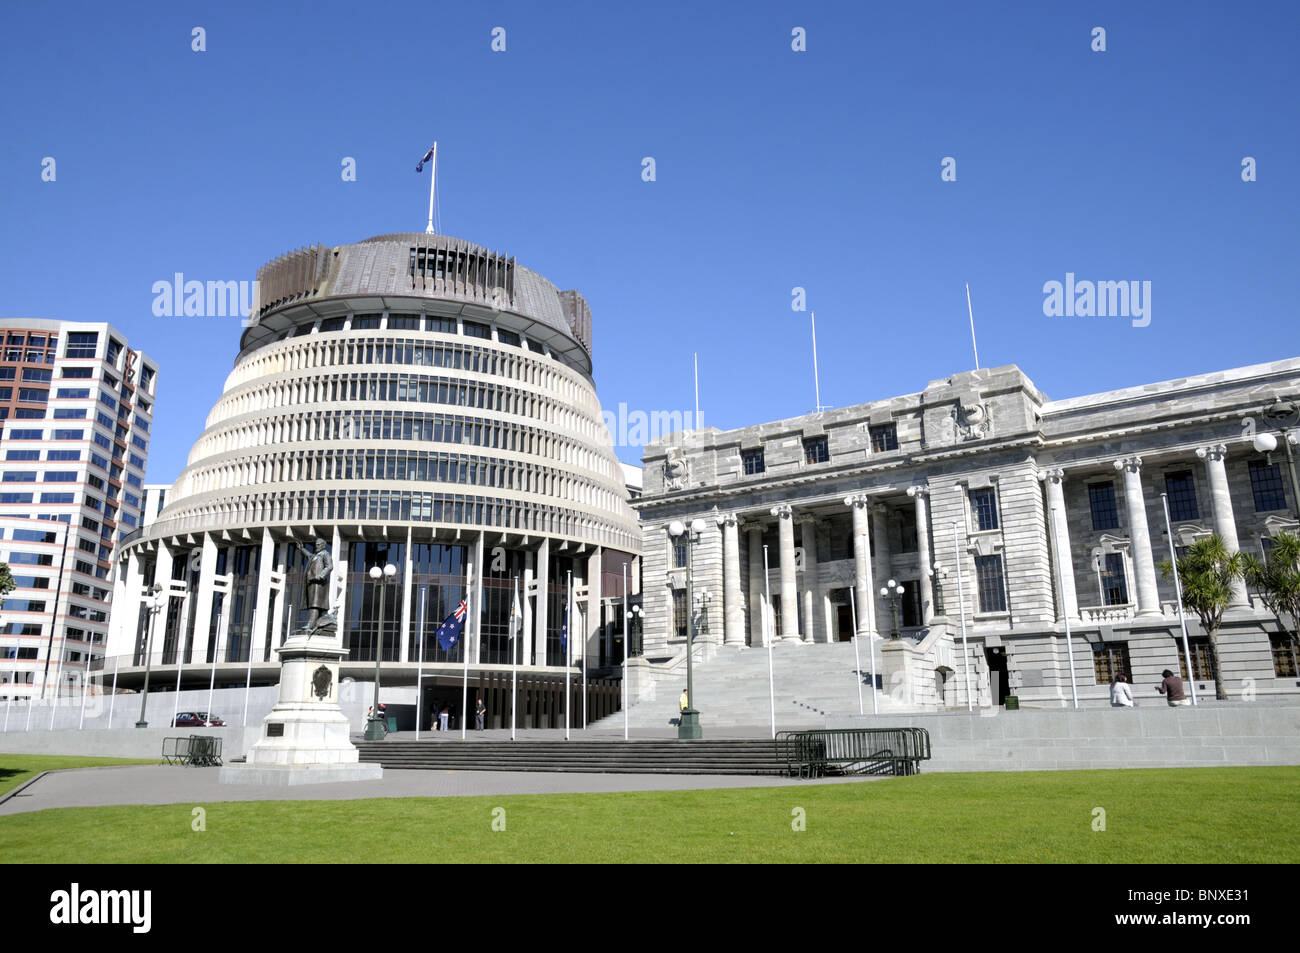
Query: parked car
x=211, y=721
x=197, y=719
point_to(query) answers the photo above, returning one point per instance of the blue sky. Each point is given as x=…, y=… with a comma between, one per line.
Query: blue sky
x=774, y=169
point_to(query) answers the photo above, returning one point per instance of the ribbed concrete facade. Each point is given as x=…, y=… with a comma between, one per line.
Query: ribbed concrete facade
x=412, y=400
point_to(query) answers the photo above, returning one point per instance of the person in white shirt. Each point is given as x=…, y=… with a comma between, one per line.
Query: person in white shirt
x=1121, y=692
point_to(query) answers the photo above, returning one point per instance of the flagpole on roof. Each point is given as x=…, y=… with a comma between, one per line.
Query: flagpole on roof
x=430, y=156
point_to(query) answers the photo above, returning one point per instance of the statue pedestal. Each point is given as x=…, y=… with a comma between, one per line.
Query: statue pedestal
x=305, y=737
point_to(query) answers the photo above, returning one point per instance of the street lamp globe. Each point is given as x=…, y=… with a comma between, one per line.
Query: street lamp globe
x=1265, y=442
x=676, y=528
x=697, y=526
x=375, y=572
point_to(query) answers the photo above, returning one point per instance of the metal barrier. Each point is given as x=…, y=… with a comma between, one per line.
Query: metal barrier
x=202, y=751
x=812, y=754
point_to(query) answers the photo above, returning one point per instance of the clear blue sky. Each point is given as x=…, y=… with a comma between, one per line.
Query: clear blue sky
x=775, y=169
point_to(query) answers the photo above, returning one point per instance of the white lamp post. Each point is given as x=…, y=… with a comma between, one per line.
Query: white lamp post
x=376, y=729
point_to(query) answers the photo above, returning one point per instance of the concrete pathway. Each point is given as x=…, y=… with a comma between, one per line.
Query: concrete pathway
x=168, y=784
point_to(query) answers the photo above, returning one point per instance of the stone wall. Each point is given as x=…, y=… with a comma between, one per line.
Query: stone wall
x=1147, y=737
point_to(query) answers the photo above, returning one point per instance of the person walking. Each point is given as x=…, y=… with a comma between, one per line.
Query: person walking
x=480, y=713
x=1121, y=692
x=443, y=716
x=1172, y=688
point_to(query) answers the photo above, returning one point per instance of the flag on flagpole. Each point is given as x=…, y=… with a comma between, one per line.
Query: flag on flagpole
x=564, y=631
x=516, y=615
x=427, y=156
x=450, y=630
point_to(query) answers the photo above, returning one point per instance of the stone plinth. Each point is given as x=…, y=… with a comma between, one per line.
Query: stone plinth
x=304, y=739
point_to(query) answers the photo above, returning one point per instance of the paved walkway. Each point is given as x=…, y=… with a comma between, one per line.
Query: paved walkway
x=168, y=784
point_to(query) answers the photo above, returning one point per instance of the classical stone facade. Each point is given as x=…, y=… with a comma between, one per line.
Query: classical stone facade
x=955, y=487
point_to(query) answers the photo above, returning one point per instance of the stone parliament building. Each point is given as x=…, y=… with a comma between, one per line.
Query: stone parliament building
x=955, y=486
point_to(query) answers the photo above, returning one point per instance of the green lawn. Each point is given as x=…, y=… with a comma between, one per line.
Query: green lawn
x=1211, y=815
x=17, y=768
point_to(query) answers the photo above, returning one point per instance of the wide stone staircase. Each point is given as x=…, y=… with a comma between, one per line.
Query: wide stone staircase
x=597, y=757
x=811, y=681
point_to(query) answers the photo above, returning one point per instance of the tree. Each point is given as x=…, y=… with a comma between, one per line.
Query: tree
x=1206, y=572
x=7, y=584
x=1276, y=580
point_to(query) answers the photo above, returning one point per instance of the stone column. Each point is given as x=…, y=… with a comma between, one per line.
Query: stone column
x=543, y=598
x=1225, y=523
x=733, y=609
x=757, y=589
x=921, y=495
x=811, y=599
x=1144, y=567
x=862, y=575
x=880, y=549
x=789, y=586
x=1062, y=554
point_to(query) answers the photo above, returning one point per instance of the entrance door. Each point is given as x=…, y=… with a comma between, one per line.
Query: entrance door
x=997, y=659
x=844, y=616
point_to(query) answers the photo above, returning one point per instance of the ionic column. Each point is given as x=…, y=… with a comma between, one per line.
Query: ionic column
x=880, y=547
x=757, y=584
x=1225, y=524
x=920, y=495
x=733, y=609
x=543, y=598
x=1144, y=566
x=789, y=586
x=862, y=584
x=808, y=539
x=1062, y=555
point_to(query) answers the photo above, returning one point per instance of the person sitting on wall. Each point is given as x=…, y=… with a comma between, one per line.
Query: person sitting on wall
x=1172, y=689
x=1121, y=692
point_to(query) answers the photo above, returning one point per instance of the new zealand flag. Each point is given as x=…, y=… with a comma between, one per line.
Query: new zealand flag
x=449, y=631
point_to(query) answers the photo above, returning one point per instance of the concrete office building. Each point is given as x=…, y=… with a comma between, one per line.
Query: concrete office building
x=416, y=401
x=956, y=486
x=76, y=404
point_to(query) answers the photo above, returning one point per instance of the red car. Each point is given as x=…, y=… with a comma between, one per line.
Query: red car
x=197, y=719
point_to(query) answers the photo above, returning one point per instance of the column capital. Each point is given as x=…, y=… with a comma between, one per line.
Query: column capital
x=751, y=525
x=1053, y=475
x=805, y=519
x=918, y=492
x=858, y=501
x=782, y=511
x=727, y=519
x=1131, y=464
x=1213, y=452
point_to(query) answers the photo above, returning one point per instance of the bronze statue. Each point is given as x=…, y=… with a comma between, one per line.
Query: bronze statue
x=316, y=583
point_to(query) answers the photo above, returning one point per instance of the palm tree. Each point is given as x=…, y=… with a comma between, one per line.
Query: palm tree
x=1276, y=581
x=1207, y=571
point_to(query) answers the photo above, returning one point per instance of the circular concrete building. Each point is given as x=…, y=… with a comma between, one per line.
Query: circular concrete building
x=416, y=401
